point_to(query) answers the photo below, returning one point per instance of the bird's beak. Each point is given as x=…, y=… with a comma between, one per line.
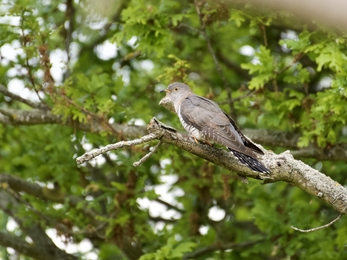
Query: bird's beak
x=166, y=91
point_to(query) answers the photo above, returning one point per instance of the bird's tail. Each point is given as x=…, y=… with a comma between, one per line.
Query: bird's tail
x=251, y=162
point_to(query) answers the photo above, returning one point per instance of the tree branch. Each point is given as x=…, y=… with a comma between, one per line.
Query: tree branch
x=144, y=158
x=170, y=206
x=9, y=94
x=37, y=117
x=88, y=156
x=283, y=167
x=273, y=137
x=318, y=228
x=276, y=138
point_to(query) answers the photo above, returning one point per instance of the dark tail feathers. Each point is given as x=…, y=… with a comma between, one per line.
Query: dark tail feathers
x=251, y=162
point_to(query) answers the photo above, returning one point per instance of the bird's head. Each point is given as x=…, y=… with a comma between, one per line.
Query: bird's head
x=176, y=92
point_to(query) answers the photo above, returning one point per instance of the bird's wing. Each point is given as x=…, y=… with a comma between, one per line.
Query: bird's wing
x=206, y=116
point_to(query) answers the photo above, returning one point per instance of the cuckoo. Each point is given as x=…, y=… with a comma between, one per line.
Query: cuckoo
x=205, y=121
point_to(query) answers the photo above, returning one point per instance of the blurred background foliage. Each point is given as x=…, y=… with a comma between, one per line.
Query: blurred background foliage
x=107, y=61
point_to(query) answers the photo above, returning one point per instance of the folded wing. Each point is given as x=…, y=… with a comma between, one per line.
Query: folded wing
x=215, y=125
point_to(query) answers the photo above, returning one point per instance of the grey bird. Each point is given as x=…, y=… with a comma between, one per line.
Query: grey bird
x=207, y=122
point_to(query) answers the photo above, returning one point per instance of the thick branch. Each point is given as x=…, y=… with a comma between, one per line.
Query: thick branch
x=276, y=138
x=37, y=117
x=273, y=137
x=283, y=167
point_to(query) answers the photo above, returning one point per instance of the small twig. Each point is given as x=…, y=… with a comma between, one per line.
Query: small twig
x=25, y=41
x=170, y=206
x=144, y=158
x=295, y=59
x=158, y=219
x=274, y=82
x=317, y=228
x=7, y=93
x=69, y=15
x=88, y=156
x=263, y=31
x=7, y=113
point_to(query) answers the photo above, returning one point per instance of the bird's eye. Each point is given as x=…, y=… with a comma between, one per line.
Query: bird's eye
x=176, y=89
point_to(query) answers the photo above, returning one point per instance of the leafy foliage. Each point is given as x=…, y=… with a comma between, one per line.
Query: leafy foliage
x=279, y=77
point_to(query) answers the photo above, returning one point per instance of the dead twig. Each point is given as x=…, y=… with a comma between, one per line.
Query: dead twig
x=317, y=228
x=144, y=158
x=88, y=156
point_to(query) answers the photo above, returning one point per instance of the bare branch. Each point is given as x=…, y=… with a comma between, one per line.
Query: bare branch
x=88, y=156
x=160, y=219
x=144, y=158
x=170, y=206
x=317, y=228
x=283, y=167
x=37, y=117
x=28, y=117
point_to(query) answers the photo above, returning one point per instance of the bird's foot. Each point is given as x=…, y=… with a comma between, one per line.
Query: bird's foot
x=205, y=142
x=195, y=139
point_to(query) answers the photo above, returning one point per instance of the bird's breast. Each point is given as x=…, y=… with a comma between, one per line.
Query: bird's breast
x=193, y=131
